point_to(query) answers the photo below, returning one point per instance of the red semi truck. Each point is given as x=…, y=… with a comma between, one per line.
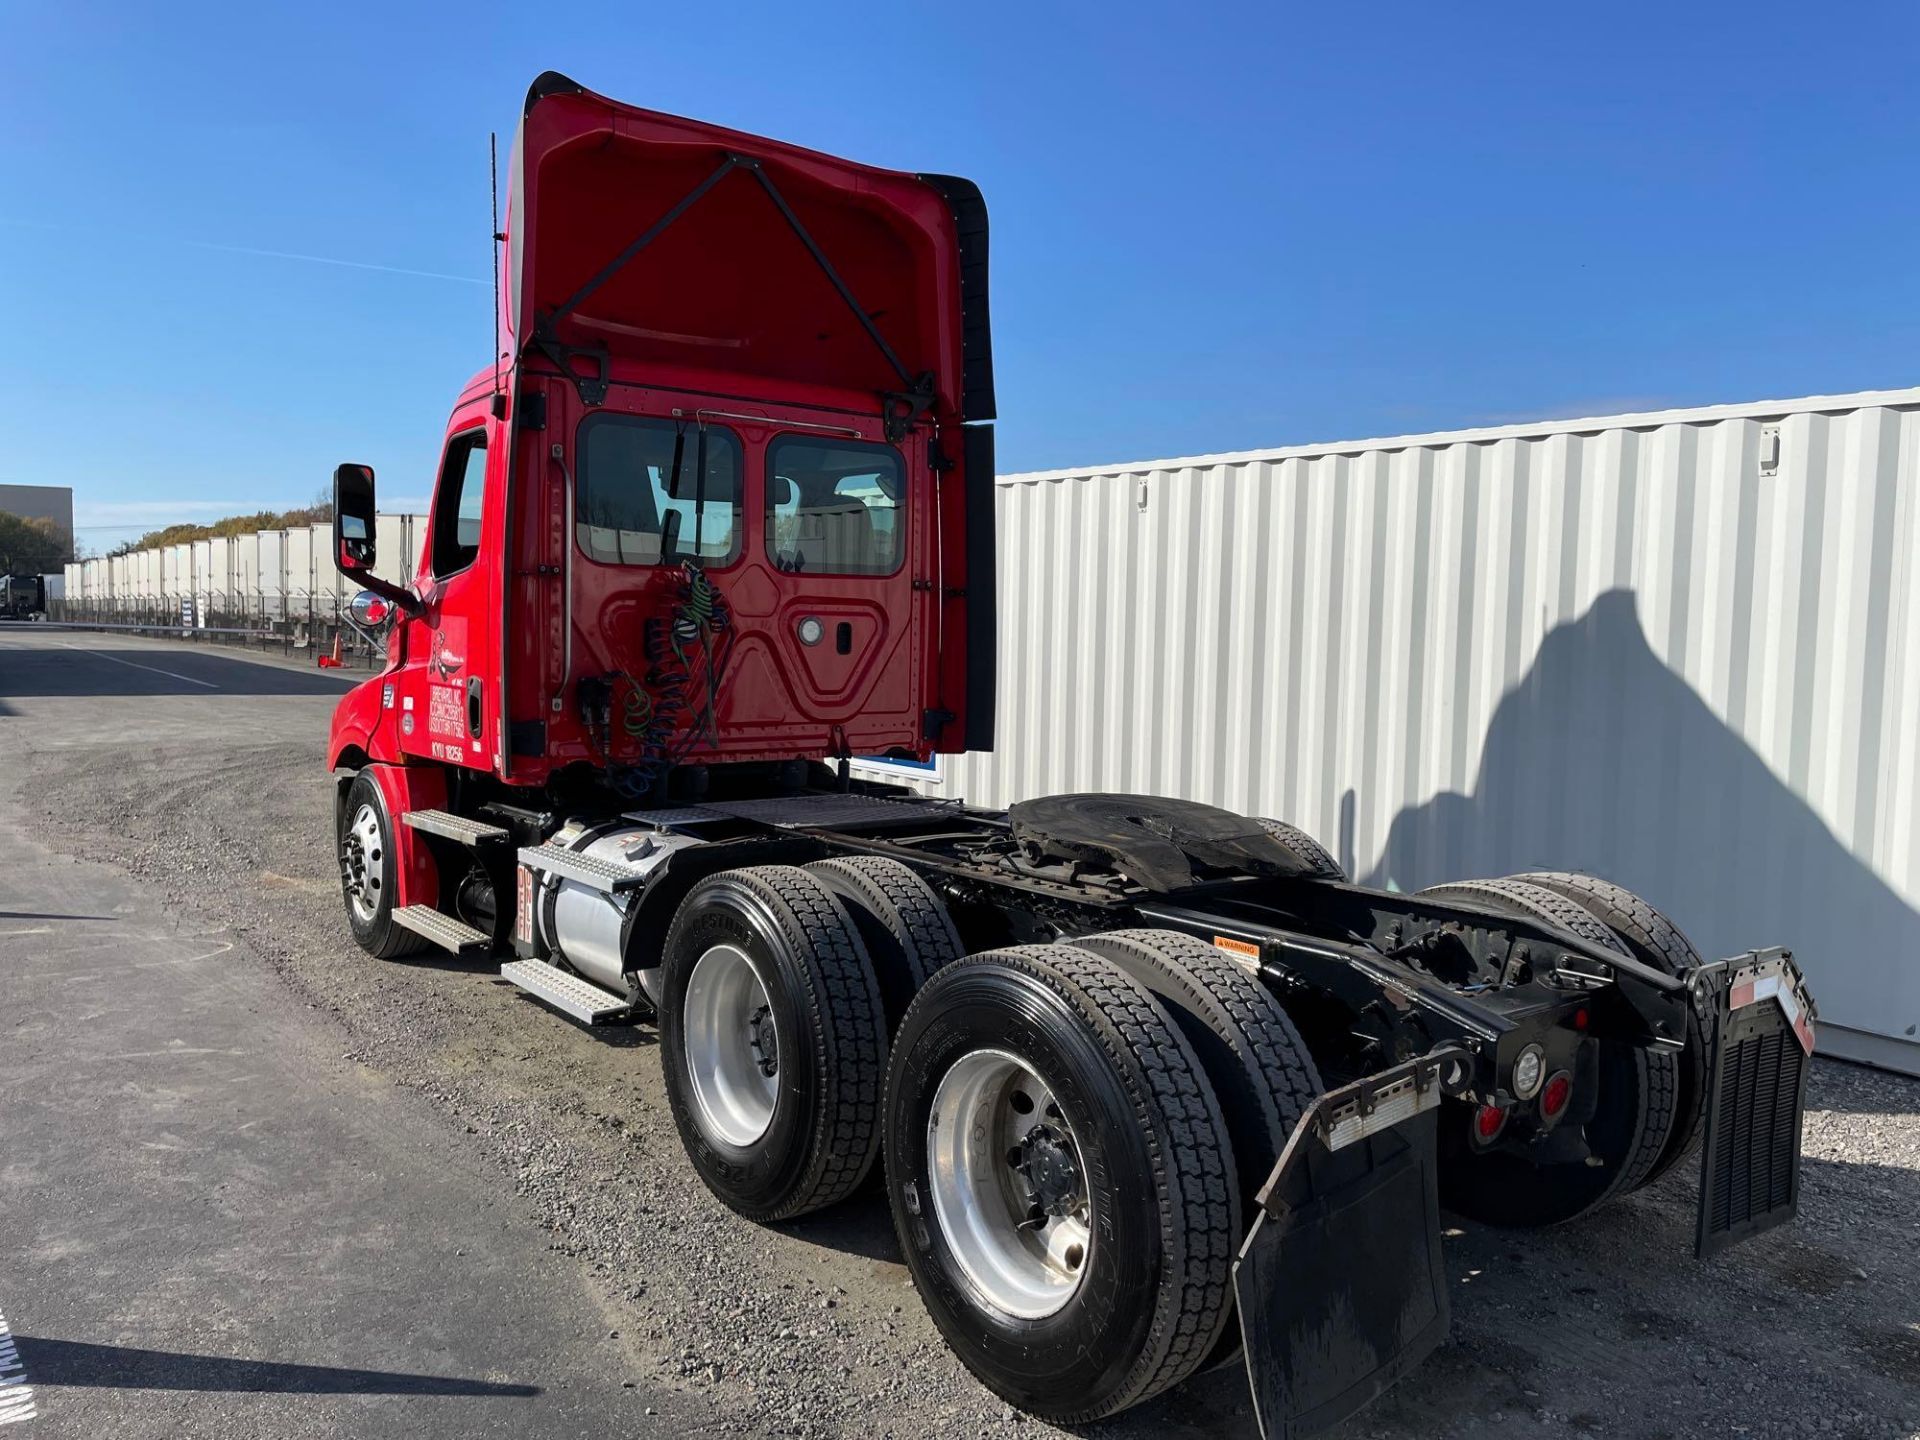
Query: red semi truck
x=1152, y=1083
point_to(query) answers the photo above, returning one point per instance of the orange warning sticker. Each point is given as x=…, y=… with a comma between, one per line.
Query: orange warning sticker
x=1245, y=951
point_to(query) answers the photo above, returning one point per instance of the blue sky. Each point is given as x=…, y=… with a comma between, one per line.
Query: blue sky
x=1215, y=227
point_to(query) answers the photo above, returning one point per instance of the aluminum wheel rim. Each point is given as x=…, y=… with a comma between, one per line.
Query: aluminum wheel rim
x=732, y=1056
x=1027, y=1259
x=362, y=861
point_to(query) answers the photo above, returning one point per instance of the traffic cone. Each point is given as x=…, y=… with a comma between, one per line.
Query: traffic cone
x=332, y=662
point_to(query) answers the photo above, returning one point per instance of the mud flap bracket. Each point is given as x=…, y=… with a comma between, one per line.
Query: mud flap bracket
x=1340, y=1285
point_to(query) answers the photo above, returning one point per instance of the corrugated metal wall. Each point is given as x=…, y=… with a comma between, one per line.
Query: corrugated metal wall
x=1680, y=650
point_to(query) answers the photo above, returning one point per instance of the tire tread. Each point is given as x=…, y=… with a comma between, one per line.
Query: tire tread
x=1181, y=1120
x=1303, y=847
x=843, y=999
x=901, y=901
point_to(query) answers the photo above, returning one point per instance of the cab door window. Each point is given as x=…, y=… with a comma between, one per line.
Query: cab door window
x=457, y=503
x=835, y=507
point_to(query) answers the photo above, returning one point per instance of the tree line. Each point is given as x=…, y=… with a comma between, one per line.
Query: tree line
x=320, y=511
x=32, y=546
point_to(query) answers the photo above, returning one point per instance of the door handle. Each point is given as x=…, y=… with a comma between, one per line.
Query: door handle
x=476, y=693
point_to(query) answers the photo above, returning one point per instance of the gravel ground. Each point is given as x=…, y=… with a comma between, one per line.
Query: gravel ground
x=812, y=1328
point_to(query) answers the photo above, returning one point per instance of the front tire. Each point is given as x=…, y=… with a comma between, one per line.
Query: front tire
x=369, y=872
x=1060, y=1180
x=773, y=1039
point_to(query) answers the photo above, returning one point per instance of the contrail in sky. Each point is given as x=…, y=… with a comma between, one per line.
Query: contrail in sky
x=330, y=260
x=267, y=254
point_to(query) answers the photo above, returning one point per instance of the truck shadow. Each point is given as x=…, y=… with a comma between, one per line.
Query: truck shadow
x=122, y=1367
x=1601, y=759
x=83, y=671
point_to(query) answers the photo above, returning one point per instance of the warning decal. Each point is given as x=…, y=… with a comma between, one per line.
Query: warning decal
x=1244, y=951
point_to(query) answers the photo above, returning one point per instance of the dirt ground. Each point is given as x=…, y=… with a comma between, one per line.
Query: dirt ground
x=812, y=1328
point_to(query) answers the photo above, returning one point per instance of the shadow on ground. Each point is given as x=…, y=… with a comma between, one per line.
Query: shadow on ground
x=80, y=671
x=122, y=1367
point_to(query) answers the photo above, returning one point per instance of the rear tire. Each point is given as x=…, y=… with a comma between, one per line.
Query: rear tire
x=1632, y=1120
x=1256, y=1061
x=370, y=871
x=1303, y=847
x=907, y=931
x=773, y=1041
x=1131, y=1132
x=1656, y=941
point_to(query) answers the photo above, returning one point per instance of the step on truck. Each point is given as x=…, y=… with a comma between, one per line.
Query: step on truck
x=1153, y=1085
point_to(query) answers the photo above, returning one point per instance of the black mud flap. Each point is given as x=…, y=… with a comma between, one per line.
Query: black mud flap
x=1339, y=1283
x=1756, y=1097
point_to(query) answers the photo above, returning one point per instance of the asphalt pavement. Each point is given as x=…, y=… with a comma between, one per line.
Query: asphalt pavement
x=215, y=1224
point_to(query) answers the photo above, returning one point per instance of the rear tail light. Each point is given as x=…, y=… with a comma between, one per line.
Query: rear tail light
x=1555, y=1094
x=1488, y=1122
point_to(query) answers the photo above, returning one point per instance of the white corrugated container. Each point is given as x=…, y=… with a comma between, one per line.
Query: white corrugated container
x=327, y=579
x=392, y=559
x=272, y=580
x=245, y=550
x=219, y=576
x=299, y=565
x=1681, y=650
x=178, y=577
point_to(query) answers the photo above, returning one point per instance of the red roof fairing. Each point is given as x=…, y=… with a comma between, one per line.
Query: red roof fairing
x=727, y=285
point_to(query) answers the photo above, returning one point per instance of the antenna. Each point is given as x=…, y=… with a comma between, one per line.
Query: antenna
x=493, y=177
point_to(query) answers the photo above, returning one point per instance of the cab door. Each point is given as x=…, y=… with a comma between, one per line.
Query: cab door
x=448, y=708
x=841, y=539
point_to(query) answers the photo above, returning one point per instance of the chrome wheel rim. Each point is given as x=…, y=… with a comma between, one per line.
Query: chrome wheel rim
x=1008, y=1185
x=363, y=863
x=733, y=1056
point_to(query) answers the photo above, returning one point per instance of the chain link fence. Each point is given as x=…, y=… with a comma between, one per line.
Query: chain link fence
x=292, y=625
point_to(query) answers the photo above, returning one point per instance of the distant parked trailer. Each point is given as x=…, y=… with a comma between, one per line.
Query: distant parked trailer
x=1680, y=649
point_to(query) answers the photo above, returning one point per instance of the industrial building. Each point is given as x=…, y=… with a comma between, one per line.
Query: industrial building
x=41, y=502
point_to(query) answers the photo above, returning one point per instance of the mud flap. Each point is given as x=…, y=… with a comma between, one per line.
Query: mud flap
x=1340, y=1285
x=1756, y=1096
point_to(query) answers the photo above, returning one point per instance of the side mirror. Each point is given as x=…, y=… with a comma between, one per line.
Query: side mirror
x=353, y=519
x=368, y=610
x=353, y=543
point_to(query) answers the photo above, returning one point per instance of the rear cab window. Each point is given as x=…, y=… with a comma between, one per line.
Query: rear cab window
x=835, y=507
x=657, y=492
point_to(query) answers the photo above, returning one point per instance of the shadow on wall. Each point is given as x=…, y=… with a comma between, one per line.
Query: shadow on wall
x=1604, y=760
